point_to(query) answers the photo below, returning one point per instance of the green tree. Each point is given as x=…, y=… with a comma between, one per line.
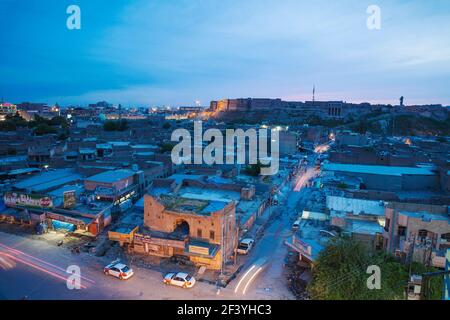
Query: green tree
x=12, y=122
x=254, y=170
x=58, y=121
x=115, y=125
x=44, y=128
x=340, y=273
x=165, y=147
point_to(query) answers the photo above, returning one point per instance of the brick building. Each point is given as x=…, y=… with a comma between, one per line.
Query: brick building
x=204, y=231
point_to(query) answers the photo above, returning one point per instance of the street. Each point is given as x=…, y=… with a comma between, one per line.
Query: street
x=33, y=269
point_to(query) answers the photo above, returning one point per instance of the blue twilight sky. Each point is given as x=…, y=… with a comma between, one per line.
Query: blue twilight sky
x=172, y=52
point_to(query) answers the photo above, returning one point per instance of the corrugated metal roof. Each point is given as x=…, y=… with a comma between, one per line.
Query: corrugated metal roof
x=381, y=170
x=47, y=180
x=111, y=176
x=355, y=206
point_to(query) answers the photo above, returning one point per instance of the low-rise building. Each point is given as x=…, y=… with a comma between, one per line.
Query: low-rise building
x=116, y=186
x=205, y=231
x=417, y=231
x=387, y=177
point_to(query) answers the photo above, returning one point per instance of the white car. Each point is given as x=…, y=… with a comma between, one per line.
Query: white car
x=296, y=225
x=118, y=270
x=245, y=246
x=180, y=279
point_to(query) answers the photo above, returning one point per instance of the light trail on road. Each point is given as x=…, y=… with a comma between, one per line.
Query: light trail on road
x=37, y=267
x=45, y=266
x=251, y=279
x=322, y=148
x=243, y=278
x=304, y=178
x=258, y=266
x=6, y=264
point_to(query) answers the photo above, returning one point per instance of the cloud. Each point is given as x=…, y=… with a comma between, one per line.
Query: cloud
x=170, y=52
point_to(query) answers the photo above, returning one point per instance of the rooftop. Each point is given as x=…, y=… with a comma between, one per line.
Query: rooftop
x=427, y=216
x=209, y=194
x=23, y=171
x=381, y=170
x=181, y=204
x=364, y=227
x=119, y=143
x=48, y=180
x=355, y=206
x=111, y=176
x=144, y=146
x=87, y=150
x=6, y=160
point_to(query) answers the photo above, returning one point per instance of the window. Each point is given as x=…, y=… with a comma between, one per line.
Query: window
x=199, y=233
x=386, y=226
x=212, y=235
x=423, y=233
x=401, y=231
x=445, y=236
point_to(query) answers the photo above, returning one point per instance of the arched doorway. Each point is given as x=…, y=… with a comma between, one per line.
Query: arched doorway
x=181, y=228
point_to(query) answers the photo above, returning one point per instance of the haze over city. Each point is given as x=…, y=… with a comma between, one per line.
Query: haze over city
x=177, y=52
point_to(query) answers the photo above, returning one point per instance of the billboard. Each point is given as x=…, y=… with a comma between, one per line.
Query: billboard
x=13, y=199
x=69, y=199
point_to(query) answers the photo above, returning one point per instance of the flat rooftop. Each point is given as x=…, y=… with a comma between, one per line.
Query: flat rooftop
x=427, y=216
x=178, y=177
x=381, y=170
x=209, y=194
x=23, y=171
x=92, y=208
x=111, y=176
x=181, y=204
x=365, y=227
x=355, y=206
x=119, y=143
x=144, y=146
x=48, y=180
x=13, y=159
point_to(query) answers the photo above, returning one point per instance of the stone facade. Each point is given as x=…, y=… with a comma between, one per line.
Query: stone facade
x=207, y=235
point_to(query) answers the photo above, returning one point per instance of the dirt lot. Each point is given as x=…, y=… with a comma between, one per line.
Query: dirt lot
x=298, y=275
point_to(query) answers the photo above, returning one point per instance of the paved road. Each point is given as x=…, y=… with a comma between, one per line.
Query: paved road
x=37, y=270
x=262, y=277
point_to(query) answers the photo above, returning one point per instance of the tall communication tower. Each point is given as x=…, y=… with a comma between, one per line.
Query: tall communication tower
x=314, y=93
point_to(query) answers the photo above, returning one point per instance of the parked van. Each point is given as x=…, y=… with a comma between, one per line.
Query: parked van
x=296, y=225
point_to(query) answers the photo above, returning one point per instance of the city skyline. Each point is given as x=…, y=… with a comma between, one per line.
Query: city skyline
x=174, y=53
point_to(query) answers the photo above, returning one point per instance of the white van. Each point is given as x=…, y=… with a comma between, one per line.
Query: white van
x=296, y=225
x=245, y=246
